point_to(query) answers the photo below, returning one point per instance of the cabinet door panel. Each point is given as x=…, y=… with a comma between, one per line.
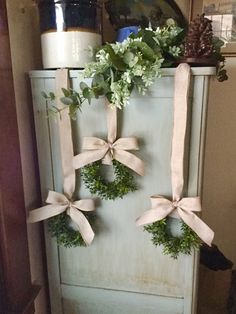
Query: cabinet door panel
x=122, y=255
x=80, y=300
x=122, y=272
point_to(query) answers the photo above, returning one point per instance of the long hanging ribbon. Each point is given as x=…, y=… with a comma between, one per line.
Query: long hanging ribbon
x=96, y=148
x=59, y=203
x=181, y=207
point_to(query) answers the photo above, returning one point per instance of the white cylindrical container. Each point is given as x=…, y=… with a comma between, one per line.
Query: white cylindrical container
x=69, y=29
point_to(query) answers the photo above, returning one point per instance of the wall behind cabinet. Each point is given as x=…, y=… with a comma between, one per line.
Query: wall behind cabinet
x=219, y=182
x=26, y=55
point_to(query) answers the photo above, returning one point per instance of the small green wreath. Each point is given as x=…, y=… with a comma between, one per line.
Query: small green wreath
x=173, y=245
x=109, y=190
x=60, y=227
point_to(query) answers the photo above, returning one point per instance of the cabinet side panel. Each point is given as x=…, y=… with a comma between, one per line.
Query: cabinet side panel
x=43, y=137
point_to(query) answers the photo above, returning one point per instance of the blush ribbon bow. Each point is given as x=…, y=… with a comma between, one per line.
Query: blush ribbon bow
x=180, y=207
x=58, y=204
x=184, y=208
x=113, y=148
x=97, y=149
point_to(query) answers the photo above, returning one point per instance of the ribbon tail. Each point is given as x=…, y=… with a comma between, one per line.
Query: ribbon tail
x=86, y=205
x=45, y=212
x=130, y=160
x=65, y=134
x=88, y=157
x=126, y=143
x=111, y=122
x=198, y=226
x=153, y=215
x=83, y=225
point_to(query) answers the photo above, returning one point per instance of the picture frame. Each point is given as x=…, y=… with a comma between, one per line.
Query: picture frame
x=223, y=15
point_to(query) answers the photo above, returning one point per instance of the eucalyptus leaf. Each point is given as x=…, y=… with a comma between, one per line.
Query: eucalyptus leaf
x=116, y=59
x=66, y=92
x=130, y=59
x=145, y=49
x=97, y=80
x=148, y=38
x=52, y=96
x=66, y=101
x=217, y=42
x=83, y=85
x=72, y=111
x=44, y=95
x=88, y=94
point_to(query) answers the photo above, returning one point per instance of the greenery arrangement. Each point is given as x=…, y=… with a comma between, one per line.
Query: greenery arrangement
x=120, y=68
x=109, y=190
x=134, y=64
x=173, y=245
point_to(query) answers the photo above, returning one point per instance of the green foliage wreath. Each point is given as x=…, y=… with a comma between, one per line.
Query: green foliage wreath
x=109, y=190
x=61, y=228
x=173, y=245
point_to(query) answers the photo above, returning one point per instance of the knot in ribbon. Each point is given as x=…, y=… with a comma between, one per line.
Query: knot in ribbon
x=97, y=149
x=111, y=149
x=58, y=204
x=184, y=208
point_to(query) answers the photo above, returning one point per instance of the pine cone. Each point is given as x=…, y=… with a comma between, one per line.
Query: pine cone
x=198, y=43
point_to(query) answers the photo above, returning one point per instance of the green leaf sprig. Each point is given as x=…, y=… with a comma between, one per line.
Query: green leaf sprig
x=71, y=99
x=221, y=72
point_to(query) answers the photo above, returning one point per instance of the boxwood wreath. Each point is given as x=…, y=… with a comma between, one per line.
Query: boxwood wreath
x=109, y=190
x=173, y=245
x=59, y=227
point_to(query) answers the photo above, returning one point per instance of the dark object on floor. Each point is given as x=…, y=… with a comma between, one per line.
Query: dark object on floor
x=232, y=295
x=215, y=275
x=213, y=258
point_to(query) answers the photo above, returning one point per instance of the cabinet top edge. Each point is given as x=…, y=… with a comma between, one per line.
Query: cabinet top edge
x=196, y=71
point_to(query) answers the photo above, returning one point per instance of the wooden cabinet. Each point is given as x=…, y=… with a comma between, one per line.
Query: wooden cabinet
x=122, y=272
x=17, y=293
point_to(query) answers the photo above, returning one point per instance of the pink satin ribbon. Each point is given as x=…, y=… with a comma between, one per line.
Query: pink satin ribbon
x=97, y=148
x=60, y=203
x=180, y=207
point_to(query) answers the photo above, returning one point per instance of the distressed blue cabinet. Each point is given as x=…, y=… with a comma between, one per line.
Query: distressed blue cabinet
x=122, y=272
